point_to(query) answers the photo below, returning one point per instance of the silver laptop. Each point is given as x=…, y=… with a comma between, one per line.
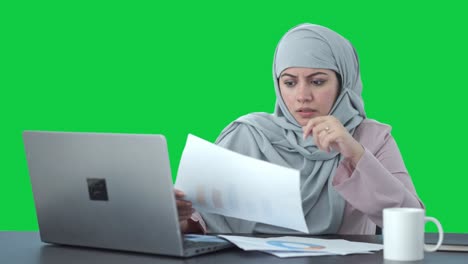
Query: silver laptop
x=110, y=191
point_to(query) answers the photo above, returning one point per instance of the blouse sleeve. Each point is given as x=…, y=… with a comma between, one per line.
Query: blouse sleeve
x=379, y=180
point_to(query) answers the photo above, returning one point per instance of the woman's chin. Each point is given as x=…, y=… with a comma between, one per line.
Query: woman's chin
x=302, y=121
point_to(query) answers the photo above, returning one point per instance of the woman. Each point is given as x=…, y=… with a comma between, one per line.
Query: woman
x=350, y=166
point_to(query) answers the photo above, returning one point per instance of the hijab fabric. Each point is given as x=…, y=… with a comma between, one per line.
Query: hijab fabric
x=277, y=137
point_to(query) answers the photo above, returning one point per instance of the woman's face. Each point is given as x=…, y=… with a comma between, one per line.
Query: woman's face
x=308, y=92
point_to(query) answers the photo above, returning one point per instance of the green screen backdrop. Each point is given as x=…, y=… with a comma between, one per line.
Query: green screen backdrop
x=173, y=68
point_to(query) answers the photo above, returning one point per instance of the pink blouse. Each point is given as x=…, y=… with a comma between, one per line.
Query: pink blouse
x=379, y=180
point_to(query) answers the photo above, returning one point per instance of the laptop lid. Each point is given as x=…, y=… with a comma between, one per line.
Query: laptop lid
x=104, y=190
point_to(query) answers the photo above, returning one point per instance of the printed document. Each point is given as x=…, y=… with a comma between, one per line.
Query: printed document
x=291, y=246
x=220, y=181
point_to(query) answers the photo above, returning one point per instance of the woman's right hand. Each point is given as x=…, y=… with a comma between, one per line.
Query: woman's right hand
x=184, y=209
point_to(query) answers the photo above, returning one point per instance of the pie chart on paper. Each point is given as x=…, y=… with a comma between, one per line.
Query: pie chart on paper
x=299, y=246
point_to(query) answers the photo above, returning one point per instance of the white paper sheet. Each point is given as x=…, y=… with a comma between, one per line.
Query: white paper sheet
x=220, y=181
x=289, y=246
x=286, y=254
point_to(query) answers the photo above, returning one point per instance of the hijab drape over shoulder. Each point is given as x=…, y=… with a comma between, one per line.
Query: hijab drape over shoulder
x=277, y=137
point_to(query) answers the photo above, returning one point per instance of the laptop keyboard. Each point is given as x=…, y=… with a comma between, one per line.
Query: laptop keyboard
x=200, y=244
x=195, y=244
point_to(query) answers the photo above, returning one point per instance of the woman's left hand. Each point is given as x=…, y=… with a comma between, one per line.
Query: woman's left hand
x=329, y=133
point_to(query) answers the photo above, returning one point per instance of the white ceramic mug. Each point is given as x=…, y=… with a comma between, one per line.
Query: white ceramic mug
x=403, y=234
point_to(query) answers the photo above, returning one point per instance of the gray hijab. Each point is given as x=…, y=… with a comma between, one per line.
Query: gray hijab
x=277, y=137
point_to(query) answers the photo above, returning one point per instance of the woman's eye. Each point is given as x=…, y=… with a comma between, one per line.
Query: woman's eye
x=289, y=83
x=318, y=82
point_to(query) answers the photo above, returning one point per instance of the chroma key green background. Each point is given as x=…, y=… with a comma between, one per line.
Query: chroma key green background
x=176, y=67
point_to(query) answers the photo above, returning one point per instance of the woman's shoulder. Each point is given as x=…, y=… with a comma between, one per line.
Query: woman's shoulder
x=257, y=119
x=240, y=128
x=372, y=133
x=371, y=125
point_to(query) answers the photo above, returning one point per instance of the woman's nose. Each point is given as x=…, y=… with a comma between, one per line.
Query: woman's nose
x=304, y=94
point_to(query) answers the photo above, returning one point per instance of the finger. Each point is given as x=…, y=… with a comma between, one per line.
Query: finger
x=319, y=119
x=182, y=204
x=185, y=213
x=188, y=211
x=322, y=135
x=328, y=140
x=305, y=132
x=184, y=217
x=320, y=127
x=324, y=126
x=317, y=134
x=312, y=123
x=309, y=127
x=318, y=123
x=178, y=193
x=330, y=126
x=184, y=207
x=334, y=145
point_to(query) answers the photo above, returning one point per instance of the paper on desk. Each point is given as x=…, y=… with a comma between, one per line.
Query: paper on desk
x=220, y=181
x=290, y=246
x=288, y=254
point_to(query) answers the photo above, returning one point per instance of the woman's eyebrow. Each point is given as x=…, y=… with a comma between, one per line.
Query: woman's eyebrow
x=287, y=74
x=316, y=73
x=308, y=76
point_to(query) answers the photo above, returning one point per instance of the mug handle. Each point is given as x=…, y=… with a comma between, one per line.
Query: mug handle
x=441, y=234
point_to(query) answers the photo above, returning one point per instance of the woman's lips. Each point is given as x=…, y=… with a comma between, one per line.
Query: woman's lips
x=306, y=113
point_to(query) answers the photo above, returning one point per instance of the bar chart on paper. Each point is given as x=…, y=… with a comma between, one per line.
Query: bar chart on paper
x=220, y=181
